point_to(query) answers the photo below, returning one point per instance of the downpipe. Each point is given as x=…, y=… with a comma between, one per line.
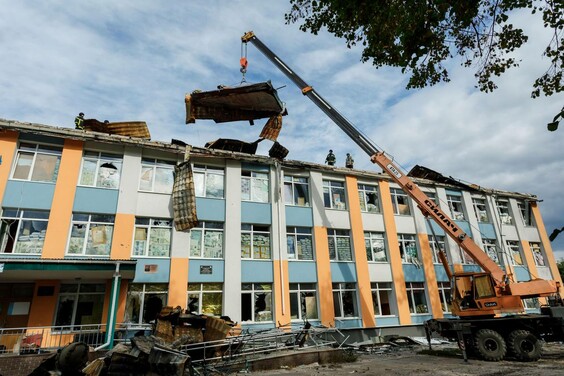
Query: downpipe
x=111, y=325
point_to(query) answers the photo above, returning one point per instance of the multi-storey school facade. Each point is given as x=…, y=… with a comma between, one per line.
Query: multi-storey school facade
x=87, y=235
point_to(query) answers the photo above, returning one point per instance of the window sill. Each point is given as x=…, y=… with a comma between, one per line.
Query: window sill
x=378, y=262
x=347, y=318
x=336, y=209
x=258, y=202
x=348, y=261
x=207, y=258
x=105, y=188
x=150, y=257
x=298, y=206
x=420, y=314
x=155, y=193
x=252, y=259
x=213, y=198
x=298, y=260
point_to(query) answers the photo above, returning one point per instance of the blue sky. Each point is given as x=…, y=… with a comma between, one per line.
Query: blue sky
x=135, y=60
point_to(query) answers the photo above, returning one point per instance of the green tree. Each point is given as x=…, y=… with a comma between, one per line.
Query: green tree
x=560, y=264
x=420, y=36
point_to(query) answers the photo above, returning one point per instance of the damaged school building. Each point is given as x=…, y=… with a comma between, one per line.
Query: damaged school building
x=99, y=233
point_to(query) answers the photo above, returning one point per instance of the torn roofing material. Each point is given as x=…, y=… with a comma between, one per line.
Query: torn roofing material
x=234, y=145
x=423, y=172
x=137, y=129
x=248, y=102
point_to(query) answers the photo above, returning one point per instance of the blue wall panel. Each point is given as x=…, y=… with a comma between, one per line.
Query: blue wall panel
x=348, y=323
x=438, y=230
x=302, y=271
x=420, y=319
x=210, y=209
x=441, y=273
x=95, y=200
x=256, y=271
x=465, y=226
x=217, y=275
x=487, y=230
x=160, y=276
x=387, y=321
x=28, y=195
x=471, y=268
x=522, y=274
x=256, y=212
x=299, y=216
x=343, y=272
x=413, y=273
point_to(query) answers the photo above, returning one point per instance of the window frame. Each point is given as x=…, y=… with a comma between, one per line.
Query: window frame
x=36, y=148
x=333, y=235
x=253, y=291
x=445, y=296
x=369, y=238
x=396, y=194
x=526, y=213
x=515, y=249
x=156, y=164
x=456, y=207
x=143, y=293
x=76, y=295
x=412, y=288
x=19, y=218
x=297, y=289
x=363, y=191
x=502, y=206
x=252, y=232
x=88, y=223
x=200, y=292
x=254, y=177
x=490, y=248
x=481, y=215
x=206, y=171
x=291, y=181
x=380, y=287
x=332, y=188
x=403, y=239
x=101, y=158
x=205, y=228
x=536, y=249
x=295, y=233
x=435, y=246
x=153, y=224
x=339, y=289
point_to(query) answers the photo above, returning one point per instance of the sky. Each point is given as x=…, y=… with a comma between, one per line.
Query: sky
x=136, y=60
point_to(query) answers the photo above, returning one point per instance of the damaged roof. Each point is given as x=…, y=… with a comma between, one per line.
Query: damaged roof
x=248, y=102
x=423, y=172
x=137, y=129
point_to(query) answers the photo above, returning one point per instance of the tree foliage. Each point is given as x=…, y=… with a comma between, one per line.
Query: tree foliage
x=560, y=265
x=420, y=36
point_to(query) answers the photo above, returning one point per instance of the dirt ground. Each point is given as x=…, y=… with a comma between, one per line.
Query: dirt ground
x=409, y=361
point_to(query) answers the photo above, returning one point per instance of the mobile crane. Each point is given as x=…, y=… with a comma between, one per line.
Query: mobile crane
x=481, y=300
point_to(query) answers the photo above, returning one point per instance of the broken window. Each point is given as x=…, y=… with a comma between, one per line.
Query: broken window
x=299, y=243
x=537, y=254
x=491, y=250
x=344, y=300
x=100, y=170
x=531, y=303
x=152, y=237
x=209, y=181
x=256, y=302
x=408, y=249
x=480, y=209
x=437, y=244
x=255, y=184
x=455, y=206
x=503, y=211
x=400, y=202
x=156, y=175
x=296, y=190
x=465, y=257
x=255, y=242
x=205, y=299
x=91, y=234
x=206, y=240
x=375, y=246
x=382, y=299
x=368, y=197
x=80, y=304
x=145, y=302
x=432, y=196
x=35, y=162
x=334, y=195
x=515, y=253
x=339, y=245
x=23, y=231
x=444, y=296
x=416, y=297
x=303, y=301
x=526, y=213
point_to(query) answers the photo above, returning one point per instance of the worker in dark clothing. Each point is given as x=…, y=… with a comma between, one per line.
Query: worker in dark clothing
x=330, y=159
x=79, y=121
x=349, y=162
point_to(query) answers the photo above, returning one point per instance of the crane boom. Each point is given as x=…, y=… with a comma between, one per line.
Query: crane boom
x=425, y=204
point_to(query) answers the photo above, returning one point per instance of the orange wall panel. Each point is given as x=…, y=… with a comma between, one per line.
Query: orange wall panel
x=123, y=236
x=395, y=257
x=361, y=262
x=120, y=316
x=60, y=215
x=42, y=311
x=8, y=146
x=430, y=276
x=281, y=293
x=546, y=244
x=178, y=282
x=324, y=276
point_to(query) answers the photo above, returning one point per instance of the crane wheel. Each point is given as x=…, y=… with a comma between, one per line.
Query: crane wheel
x=490, y=345
x=524, y=346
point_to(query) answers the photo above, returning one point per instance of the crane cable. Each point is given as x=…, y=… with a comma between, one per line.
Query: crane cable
x=243, y=61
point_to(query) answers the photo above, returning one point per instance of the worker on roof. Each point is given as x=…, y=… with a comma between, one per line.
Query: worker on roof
x=349, y=162
x=79, y=121
x=330, y=159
